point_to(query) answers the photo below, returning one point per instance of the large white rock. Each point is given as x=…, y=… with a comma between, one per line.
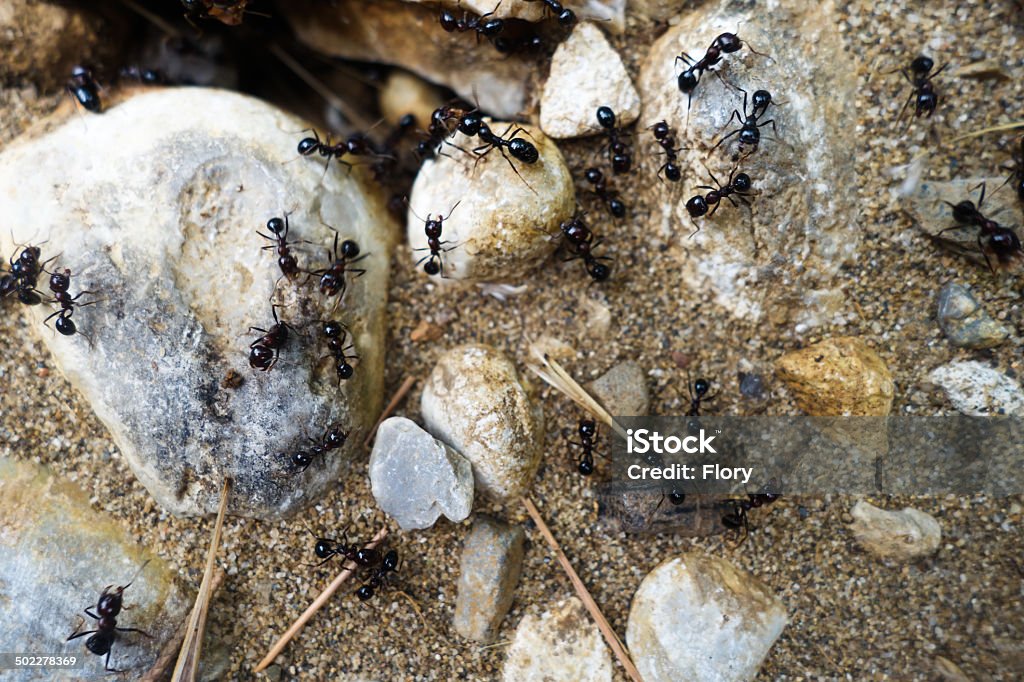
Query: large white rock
x=475, y=401
x=586, y=73
x=561, y=645
x=979, y=390
x=779, y=259
x=154, y=205
x=699, y=618
x=503, y=224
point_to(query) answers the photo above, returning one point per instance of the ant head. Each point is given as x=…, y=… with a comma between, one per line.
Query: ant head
x=432, y=267
x=260, y=356
x=330, y=284
x=599, y=272
x=728, y=42
x=594, y=175
x=432, y=227
x=333, y=329
x=471, y=123
x=523, y=150
x=761, y=99
x=365, y=593
x=742, y=181
x=701, y=387
x=660, y=130
x=29, y=256
x=60, y=281
x=566, y=17
x=964, y=211
x=922, y=64
x=275, y=225
x=109, y=603
x=676, y=498
x=606, y=117
x=697, y=206
x=390, y=562
x=345, y=370
x=349, y=249
x=335, y=437
x=617, y=208
x=588, y=428
x=492, y=27
x=357, y=144
x=673, y=172
x=81, y=72
x=308, y=146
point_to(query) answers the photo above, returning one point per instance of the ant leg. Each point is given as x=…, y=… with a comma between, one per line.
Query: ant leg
x=981, y=247
x=141, y=632
x=735, y=132
x=695, y=231
x=78, y=634
x=981, y=199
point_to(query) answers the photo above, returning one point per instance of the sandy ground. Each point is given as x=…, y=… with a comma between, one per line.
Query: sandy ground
x=852, y=616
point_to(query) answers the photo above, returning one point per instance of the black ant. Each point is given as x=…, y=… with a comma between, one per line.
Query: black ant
x=264, y=351
x=565, y=17
x=489, y=28
x=23, y=276
x=725, y=43
x=103, y=637
x=749, y=134
x=1001, y=240
x=388, y=565
x=336, y=334
x=580, y=240
x=615, y=205
x=432, y=228
x=334, y=437
x=618, y=151
x=355, y=145
x=924, y=97
x=519, y=148
x=326, y=549
x=60, y=282
x=665, y=137
x=332, y=278
x=698, y=391
x=285, y=259
x=588, y=439
x=737, y=518
x=84, y=88
x=738, y=184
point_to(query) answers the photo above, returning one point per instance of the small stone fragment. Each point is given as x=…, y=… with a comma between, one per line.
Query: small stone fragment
x=56, y=557
x=902, y=536
x=145, y=211
x=475, y=401
x=752, y=386
x=622, y=390
x=501, y=223
x=699, y=618
x=425, y=331
x=586, y=73
x=492, y=560
x=561, y=645
x=416, y=478
x=964, y=322
x=840, y=376
x=977, y=390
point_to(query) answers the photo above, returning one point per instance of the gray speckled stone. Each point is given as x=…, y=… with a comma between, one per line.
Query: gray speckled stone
x=622, y=390
x=56, y=557
x=492, y=560
x=416, y=478
x=156, y=205
x=964, y=322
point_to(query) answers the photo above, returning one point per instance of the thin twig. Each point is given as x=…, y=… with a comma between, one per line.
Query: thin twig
x=346, y=572
x=395, y=399
x=548, y=369
x=152, y=18
x=992, y=129
x=187, y=667
x=595, y=612
x=351, y=114
x=173, y=645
